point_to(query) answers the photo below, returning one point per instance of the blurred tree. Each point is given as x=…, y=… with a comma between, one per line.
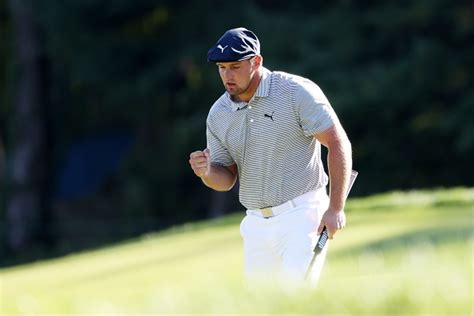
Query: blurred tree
x=396, y=73
x=2, y=166
x=28, y=207
x=138, y=66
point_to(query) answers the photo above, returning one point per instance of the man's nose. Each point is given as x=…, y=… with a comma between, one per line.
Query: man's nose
x=228, y=73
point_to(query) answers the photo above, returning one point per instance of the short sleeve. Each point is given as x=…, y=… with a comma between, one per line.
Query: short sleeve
x=219, y=154
x=315, y=112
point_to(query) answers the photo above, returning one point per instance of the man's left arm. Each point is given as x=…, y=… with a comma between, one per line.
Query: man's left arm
x=339, y=166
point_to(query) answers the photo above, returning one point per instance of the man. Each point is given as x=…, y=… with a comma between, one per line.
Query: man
x=267, y=130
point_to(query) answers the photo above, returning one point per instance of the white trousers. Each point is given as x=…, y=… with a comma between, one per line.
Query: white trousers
x=280, y=248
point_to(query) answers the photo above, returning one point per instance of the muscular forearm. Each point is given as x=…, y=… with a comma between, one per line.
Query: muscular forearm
x=219, y=178
x=340, y=166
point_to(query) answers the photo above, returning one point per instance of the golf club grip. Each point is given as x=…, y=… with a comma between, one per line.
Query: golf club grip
x=323, y=238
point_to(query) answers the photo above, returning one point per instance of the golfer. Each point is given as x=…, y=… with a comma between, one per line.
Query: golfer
x=266, y=130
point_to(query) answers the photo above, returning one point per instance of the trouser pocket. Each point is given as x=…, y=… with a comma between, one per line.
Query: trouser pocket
x=242, y=226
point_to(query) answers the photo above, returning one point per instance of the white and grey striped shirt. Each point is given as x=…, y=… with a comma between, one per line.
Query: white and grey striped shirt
x=271, y=138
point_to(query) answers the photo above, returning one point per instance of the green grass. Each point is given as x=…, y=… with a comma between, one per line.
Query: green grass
x=403, y=253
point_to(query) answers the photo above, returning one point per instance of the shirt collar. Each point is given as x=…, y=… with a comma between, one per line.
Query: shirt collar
x=261, y=92
x=264, y=85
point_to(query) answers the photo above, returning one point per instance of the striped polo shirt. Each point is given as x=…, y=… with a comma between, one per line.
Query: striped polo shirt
x=270, y=138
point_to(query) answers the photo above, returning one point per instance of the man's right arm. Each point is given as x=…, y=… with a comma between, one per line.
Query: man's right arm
x=219, y=178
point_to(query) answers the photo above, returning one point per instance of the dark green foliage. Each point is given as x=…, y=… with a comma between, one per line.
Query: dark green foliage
x=398, y=73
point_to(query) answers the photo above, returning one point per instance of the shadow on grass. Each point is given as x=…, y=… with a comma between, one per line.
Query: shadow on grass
x=140, y=264
x=433, y=236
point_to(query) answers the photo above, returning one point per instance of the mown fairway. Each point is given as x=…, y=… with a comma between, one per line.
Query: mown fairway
x=402, y=253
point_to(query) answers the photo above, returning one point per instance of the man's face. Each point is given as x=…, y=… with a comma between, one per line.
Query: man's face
x=237, y=76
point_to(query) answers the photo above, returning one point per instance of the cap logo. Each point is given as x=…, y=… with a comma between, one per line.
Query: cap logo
x=222, y=48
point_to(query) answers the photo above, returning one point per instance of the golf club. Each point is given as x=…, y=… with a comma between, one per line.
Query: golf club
x=323, y=238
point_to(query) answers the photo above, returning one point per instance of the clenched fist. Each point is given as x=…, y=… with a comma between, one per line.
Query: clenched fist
x=200, y=162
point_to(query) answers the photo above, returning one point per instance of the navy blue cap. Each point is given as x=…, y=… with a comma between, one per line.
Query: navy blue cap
x=235, y=45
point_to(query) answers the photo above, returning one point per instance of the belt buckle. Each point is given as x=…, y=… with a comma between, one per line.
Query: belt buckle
x=267, y=212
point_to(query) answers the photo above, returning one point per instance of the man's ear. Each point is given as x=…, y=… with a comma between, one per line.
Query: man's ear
x=258, y=61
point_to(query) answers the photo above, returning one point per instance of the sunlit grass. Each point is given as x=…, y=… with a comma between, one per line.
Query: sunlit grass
x=402, y=253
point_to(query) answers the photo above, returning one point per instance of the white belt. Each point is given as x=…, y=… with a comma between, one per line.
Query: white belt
x=267, y=212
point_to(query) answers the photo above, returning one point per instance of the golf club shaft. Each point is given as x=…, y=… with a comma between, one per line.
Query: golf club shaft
x=324, y=236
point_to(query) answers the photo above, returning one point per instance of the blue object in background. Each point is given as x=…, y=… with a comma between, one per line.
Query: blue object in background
x=89, y=163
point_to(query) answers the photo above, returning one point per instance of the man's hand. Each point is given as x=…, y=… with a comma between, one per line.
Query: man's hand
x=219, y=178
x=200, y=162
x=334, y=221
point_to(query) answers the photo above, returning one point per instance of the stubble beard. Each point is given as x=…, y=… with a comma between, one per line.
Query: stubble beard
x=238, y=90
